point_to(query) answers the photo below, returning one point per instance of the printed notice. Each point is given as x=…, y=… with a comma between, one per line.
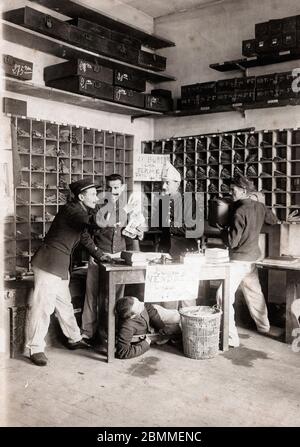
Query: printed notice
x=172, y=282
x=148, y=167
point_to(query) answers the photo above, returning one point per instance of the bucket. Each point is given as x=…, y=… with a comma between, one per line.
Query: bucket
x=200, y=331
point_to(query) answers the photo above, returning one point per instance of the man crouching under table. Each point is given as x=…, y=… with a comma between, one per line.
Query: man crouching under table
x=51, y=265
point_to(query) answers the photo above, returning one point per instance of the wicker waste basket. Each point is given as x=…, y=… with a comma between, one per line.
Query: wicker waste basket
x=200, y=331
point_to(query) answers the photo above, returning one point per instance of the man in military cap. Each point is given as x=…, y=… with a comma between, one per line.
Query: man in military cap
x=181, y=220
x=241, y=236
x=179, y=215
x=51, y=265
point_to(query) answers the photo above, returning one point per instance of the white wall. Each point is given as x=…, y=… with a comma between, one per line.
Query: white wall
x=214, y=34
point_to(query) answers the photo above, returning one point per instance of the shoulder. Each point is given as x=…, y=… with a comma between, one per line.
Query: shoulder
x=240, y=208
x=127, y=327
x=74, y=208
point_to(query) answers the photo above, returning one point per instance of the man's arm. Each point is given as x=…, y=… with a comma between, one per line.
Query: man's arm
x=125, y=348
x=77, y=217
x=270, y=218
x=154, y=318
x=232, y=235
x=87, y=241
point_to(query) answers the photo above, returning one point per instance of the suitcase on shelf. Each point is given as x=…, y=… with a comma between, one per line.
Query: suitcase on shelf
x=286, y=93
x=261, y=46
x=289, y=40
x=226, y=85
x=125, y=77
x=127, y=40
x=267, y=81
x=130, y=97
x=91, y=27
x=83, y=86
x=285, y=79
x=225, y=98
x=76, y=68
x=245, y=83
x=122, y=52
x=102, y=45
x=105, y=32
x=158, y=103
x=275, y=26
x=88, y=40
x=206, y=100
x=151, y=61
x=249, y=47
x=39, y=21
x=161, y=92
x=244, y=96
x=262, y=30
x=17, y=68
x=202, y=88
x=266, y=95
x=46, y=24
x=274, y=43
x=187, y=104
x=289, y=24
x=189, y=91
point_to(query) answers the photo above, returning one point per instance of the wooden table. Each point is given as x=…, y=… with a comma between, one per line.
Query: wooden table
x=292, y=270
x=122, y=274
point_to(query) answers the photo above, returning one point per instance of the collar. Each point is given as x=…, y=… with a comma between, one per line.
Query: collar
x=83, y=206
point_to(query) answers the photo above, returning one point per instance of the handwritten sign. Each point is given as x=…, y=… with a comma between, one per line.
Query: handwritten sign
x=172, y=282
x=148, y=167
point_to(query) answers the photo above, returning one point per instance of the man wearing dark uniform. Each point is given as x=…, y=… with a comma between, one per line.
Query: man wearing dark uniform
x=51, y=265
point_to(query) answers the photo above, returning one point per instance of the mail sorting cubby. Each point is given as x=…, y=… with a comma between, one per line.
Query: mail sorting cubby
x=51, y=156
x=271, y=158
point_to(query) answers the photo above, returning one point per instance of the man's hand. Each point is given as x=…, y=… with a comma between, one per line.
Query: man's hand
x=105, y=258
x=170, y=329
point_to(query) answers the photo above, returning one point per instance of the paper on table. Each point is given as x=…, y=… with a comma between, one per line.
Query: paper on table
x=280, y=260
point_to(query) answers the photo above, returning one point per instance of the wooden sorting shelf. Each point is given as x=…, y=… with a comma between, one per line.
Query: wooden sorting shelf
x=77, y=9
x=208, y=162
x=65, y=153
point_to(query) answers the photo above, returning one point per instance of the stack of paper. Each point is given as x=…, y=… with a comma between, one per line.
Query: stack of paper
x=193, y=258
x=216, y=255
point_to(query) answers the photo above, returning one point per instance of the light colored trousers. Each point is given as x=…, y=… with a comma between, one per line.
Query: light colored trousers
x=167, y=316
x=178, y=247
x=91, y=309
x=245, y=275
x=50, y=293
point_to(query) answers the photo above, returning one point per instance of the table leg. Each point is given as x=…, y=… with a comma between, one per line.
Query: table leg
x=225, y=309
x=111, y=318
x=291, y=284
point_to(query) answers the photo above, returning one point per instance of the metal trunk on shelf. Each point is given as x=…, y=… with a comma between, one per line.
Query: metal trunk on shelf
x=76, y=68
x=84, y=86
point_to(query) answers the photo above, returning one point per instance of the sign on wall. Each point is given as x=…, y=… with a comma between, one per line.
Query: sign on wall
x=174, y=282
x=148, y=167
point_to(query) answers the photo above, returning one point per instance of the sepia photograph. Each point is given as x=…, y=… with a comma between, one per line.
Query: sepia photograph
x=150, y=220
